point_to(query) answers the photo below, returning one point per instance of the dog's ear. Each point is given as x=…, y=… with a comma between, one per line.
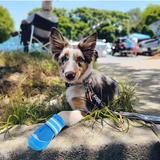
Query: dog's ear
x=87, y=46
x=57, y=42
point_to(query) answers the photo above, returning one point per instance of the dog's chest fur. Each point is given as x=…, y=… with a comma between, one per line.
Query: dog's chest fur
x=104, y=87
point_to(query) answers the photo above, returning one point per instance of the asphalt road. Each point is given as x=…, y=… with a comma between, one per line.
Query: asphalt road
x=142, y=71
x=117, y=58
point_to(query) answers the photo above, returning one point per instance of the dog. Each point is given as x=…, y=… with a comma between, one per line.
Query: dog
x=85, y=86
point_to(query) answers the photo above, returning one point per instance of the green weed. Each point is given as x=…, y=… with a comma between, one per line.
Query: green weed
x=42, y=78
x=22, y=111
x=124, y=102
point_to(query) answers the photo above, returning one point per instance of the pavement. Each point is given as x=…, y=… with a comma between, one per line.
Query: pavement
x=91, y=140
x=141, y=71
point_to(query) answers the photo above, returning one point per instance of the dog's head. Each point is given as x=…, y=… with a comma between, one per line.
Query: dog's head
x=74, y=61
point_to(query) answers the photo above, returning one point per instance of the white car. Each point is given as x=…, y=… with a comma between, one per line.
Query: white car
x=149, y=46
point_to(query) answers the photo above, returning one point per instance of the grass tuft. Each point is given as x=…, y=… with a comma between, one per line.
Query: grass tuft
x=26, y=81
x=124, y=102
x=29, y=80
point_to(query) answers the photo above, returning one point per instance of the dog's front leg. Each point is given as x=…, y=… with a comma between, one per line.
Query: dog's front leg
x=43, y=135
x=72, y=117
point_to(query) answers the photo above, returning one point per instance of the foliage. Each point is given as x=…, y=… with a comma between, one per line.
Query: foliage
x=65, y=27
x=33, y=71
x=79, y=29
x=35, y=10
x=125, y=31
x=124, y=102
x=113, y=20
x=146, y=30
x=6, y=24
x=60, y=12
x=134, y=20
x=75, y=23
x=37, y=82
x=106, y=31
x=149, y=15
x=21, y=110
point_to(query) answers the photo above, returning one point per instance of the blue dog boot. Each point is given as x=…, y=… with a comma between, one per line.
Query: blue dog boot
x=41, y=137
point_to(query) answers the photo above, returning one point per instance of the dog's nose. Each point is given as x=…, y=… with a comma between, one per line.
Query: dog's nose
x=70, y=75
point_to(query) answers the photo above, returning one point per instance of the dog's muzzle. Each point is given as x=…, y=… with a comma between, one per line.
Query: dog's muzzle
x=70, y=75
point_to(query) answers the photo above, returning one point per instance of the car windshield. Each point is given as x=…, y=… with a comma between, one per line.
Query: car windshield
x=123, y=40
x=120, y=40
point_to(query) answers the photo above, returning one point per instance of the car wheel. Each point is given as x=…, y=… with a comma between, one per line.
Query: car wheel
x=149, y=52
x=125, y=54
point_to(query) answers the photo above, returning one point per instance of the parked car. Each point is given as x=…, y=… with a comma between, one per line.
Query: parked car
x=148, y=46
x=118, y=46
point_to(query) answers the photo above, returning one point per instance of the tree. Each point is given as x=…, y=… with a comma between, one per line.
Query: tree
x=115, y=21
x=35, y=10
x=65, y=27
x=6, y=24
x=134, y=19
x=75, y=23
x=106, y=31
x=79, y=29
x=149, y=15
x=124, y=31
x=92, y=16
x=59, y=12
x=146, y=30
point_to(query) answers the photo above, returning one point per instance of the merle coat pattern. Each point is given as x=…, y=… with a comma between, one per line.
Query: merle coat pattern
x=75, y=64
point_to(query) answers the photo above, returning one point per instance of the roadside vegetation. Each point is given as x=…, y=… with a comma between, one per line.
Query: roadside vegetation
x=29, y=81
x=26, y=82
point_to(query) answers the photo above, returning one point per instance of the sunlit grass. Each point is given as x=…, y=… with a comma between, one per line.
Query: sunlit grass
x=41, y=77
x=124, y=102
x=23, y=77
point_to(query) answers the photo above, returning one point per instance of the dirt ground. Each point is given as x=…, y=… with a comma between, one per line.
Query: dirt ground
x=157, y=56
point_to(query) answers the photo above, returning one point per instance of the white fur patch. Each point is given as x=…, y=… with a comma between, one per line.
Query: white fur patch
x=71, y=117
x=75, y=91
x=71, y=51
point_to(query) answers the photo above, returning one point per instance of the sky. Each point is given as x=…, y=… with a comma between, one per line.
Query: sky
x=19, y=9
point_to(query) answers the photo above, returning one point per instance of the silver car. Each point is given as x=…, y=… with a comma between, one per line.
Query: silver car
x=149, y=46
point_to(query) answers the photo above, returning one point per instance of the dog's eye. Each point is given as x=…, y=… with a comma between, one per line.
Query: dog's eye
x=80, y=60
x=63, y=60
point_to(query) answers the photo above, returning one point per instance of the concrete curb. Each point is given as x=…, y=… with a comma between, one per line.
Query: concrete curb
x=94, y=142
x=81, y=141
